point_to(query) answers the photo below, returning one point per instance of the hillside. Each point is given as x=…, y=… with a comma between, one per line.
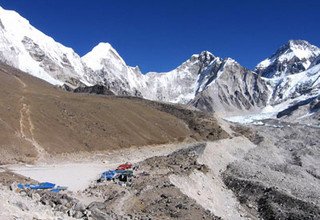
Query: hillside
x=38, y=120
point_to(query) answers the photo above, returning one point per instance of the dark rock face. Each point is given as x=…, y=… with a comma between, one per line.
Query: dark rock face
x=63, y=71
x=316, y=61
x=205, y=58
x=34, y=50
x=236, y=88
x=118, y=85
x=286, y=112
x=295, y=65
x=315, y=104
x=1, y=25
x=96, y=89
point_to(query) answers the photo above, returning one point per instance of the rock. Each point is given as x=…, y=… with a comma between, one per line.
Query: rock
x=13, y=186
x=63, y=202
x=79, y=207
x=163, y=196
x=23, y=193
x=45, y=201
x=35, y=196
x=78, y=214
x=22, y=206
x=29, y=193
x=69, y=205
x=71, y=212
x=96, y=205
x=52, y=204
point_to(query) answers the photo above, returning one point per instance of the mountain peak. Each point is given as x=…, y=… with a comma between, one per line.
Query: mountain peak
x=293, y=43
x=298, y=45
x=301, y=44
x=206, y=57
x=103, y=45
x=293, y=57
x=103, y=51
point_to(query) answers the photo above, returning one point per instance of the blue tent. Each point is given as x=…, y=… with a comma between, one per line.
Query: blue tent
x=44, y=185
x=108, y=175
x=58, y=189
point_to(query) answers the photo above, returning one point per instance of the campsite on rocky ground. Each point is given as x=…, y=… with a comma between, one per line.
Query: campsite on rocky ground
x=183, y=181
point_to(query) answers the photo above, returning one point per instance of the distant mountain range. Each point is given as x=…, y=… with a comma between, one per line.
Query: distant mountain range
x=287, y=84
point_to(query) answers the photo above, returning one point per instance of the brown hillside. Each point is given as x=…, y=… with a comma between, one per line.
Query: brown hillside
x=37, y=119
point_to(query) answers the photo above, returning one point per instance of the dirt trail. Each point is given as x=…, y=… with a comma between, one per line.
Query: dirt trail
x=208, y=188
x=26, y=125
x=120, y=207
x=21, y=82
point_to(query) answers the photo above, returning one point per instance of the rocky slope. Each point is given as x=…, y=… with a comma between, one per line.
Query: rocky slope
x=232, y=88
x=38, y=120
x=285, y=183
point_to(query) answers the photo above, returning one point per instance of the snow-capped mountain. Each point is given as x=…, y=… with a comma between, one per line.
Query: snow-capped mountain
x=287, y=78
x=294, y=91
x=181, y=84
x=294, y=57
x=293, y=79
x=28, y=49
x=104, y=66
x=297, y=77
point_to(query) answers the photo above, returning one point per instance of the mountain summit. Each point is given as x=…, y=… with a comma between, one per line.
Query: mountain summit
x=294, y=57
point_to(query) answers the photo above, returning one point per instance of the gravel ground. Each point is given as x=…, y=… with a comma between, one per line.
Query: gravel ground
x=279, y=179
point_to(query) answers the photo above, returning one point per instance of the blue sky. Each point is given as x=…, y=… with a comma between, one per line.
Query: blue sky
x=160, y=35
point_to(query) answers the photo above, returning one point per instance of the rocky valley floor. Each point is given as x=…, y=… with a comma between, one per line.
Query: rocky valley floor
x=266, y=171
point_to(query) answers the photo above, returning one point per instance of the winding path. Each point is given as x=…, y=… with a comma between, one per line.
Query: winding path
x=26, y=124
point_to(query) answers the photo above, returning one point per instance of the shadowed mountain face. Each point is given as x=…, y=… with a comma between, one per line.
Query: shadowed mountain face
x=37, y=120
x=232, y=88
